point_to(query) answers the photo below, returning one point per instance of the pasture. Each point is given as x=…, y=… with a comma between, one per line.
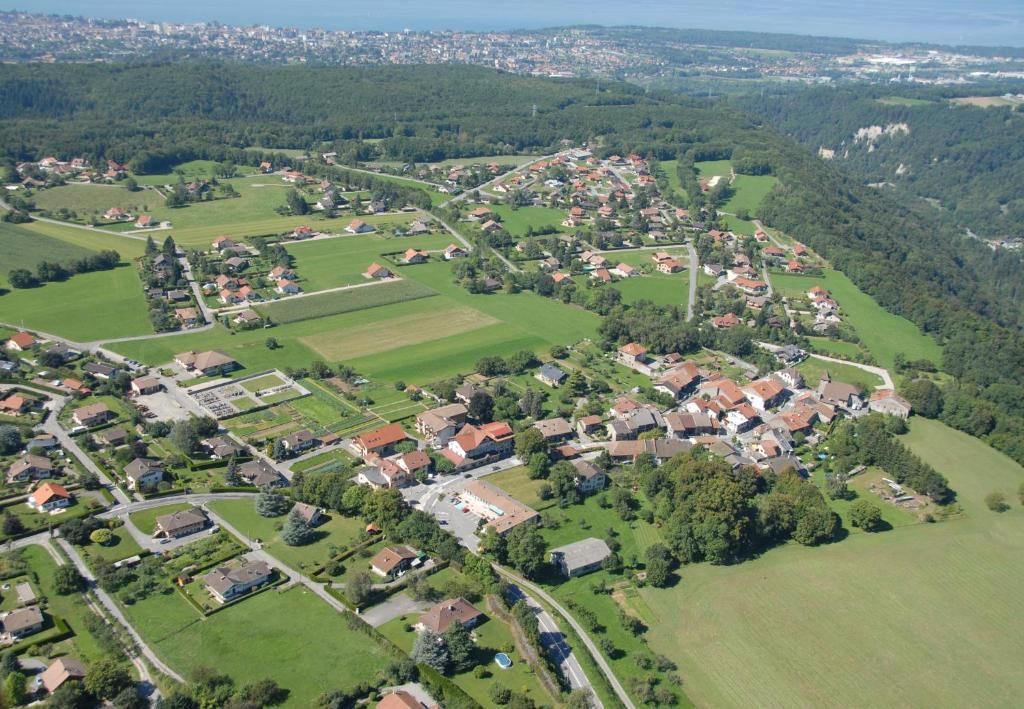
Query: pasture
x=660, y=288
x=813, y=369
x=926, y=614
x=22, y=248
x=293, y=637
x=671, y=170
x=289, y=310
x=712, y=168
x=883, y=333
x=748, y=191
x=89, y=202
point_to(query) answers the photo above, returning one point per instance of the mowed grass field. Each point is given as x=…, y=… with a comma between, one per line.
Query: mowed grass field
x=923, y=615
x=328, y=263
x=293, y=637
x=710, y=168
x=22, y=248
x=517, y=221
x=91, y=201
x=748, y=192
x=660, y=288
x=883, y=333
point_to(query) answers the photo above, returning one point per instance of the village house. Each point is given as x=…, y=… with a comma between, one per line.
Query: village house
x=300, y=441
x=310, y=514
x=226, y=583
x=554, y=430
x=246, y=317
x=714, y=270
x=661, y=449
x=29, y=467
x=145, y=221
x=589, y=477
x=358, y=226
x=438, y=425
x=380, y=441
x=634, y=355
x=443, y=615
x=375, y=270
x=580, y=557
x=261, y=474
x=181, y=523
x=764, y=394
x=669, y=266
x=21, y=342
x=501, y=512
x=60, y=671
x=400, y=699
x=412, y=256
x=99, y=370
x=188, y=317
x=22, y=622
x=112, y=437
x=92, y=415
x=16, y=404
x=724, y=322
x=624, y=270
x=223, y=242
x=45, y=442
x=393, y=561
x=632, y=424
x=840, y=393
x=49, y=497
x=551, y=375
x=222, y=447
x=679, y=382
x=116, y=214
x=144, y=473
x=690, y=425
x=453, y=251
x=287, y=287
x=589, y=424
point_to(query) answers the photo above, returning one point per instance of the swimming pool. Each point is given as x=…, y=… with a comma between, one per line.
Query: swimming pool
x=503, y=660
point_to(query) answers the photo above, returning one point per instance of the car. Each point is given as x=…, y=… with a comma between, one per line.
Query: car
x=443, y=522
x=467, y=475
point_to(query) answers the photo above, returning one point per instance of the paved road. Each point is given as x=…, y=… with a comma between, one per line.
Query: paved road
x=303, y=294
x=197, y=292
x=115, y=611
x=880, y=371
x=398, y=605
x=500, y=178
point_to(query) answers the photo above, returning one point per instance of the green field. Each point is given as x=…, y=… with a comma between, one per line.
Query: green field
x=94, y=239
x=670, y=168
x=517, y=221
x=710, y=168
x=89, y=306
x=883, y=333
x=903, y=101
x=813, y=369
x=191, y=170
x=661, y=288
x=917, y=616
x=517, y=483
x=89, y=202
x=834, y=348
x=293, y=637
x=21, y=248
x=329, y=263
x=121, y=546
x=748, y=193
x=340, y=532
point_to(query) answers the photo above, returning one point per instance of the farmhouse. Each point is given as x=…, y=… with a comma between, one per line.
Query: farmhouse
x=589, y=477
x=209, y=363
x=441, y=616
x=143, y=473
x=29, y=467
x=229, y=582
x=391, y=562
x=181, y=523
x=92, y=415
x=501, y=511
x=580, y=557
x=886, y=401
x=380, y=441
x=48, y=497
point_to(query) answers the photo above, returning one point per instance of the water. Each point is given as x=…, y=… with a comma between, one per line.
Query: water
x=980, y=22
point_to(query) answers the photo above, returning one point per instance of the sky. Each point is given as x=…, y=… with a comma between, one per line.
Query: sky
x=981, y=22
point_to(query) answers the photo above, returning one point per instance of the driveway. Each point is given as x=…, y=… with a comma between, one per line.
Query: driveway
x=398, y=605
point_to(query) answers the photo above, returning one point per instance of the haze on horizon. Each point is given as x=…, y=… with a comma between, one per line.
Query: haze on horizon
x=956, y=22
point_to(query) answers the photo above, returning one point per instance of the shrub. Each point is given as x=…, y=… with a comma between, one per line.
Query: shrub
x=102, y=536
x=996, y=501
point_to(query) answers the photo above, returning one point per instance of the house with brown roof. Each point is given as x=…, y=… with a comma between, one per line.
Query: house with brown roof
x=29, y=467
x=146, y=385
x=112, y=437
x=453, y=251
x=310, y=514
x=679, y=382
x=392, y=561
x=440, y=424
x=839, y=393
x=589, y=477
x=375, y=270
x=480, y=444
x=886, y=401
x=661, y=449
x=764, y=394
x=60, y=671
x=92, y=415
x=49, y=497
x=632, y=354
x=301, y=440
x=226, y=583
x=358, y=226
x=443, y=615
x=724, y=322
x=260, y=474
x=181, y=523
x=400, y=699
x=501, y=511
x=21, y=342
x=16, y=404
x=412, y=256
x=554, y=430
x=208, y=363
x=380, y=441
x=22, y=622
x=144, y=473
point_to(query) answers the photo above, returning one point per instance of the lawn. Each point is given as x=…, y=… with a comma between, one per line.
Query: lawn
x=834, y=348
x=920, y=615
x=121, y=546
x=267, y=381
x=517, y=221
x=145, y=520
x=671, y=170
x=813, y=369
x=710, y=168
x=660, y=288
x=329, y=263
x=346, y=301
x=96, y=239
x=883, y=333
x=293, y=637
x=89, y=202
x=339, y=532
x=517, y=483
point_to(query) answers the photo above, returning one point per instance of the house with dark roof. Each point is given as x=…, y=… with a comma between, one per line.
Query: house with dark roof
x=392, y=561
x=144, y=473
x=580, y=557
x=225, y=583
x=181, y=523
x=261, y=474
x=443, y=615
x=551, y=375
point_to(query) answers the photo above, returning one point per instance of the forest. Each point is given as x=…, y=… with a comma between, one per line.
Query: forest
x=964, y=157
x=912, y=261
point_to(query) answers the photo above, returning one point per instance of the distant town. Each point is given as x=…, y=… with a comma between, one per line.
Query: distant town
x=634, y=54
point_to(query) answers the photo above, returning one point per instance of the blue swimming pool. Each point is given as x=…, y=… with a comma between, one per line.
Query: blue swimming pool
x=503, y=660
